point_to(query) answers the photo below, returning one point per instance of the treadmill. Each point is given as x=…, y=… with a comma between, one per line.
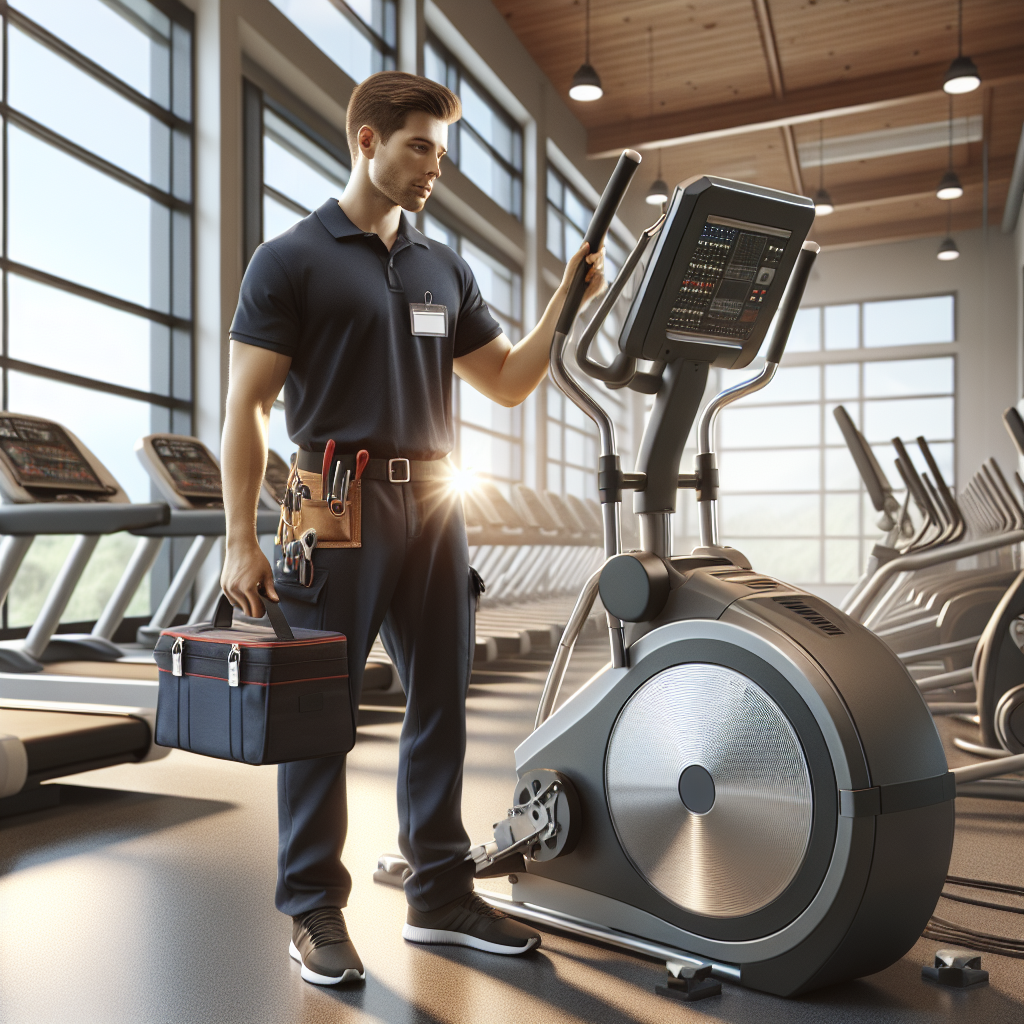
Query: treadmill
x=50, y=483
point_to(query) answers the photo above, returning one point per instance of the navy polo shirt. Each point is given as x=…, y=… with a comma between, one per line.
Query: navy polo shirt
x=336, y=301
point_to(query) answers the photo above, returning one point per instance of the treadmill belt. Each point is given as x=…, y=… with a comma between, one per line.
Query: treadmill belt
x=58, y=739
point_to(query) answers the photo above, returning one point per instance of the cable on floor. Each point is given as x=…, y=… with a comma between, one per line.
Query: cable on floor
x=947, y=931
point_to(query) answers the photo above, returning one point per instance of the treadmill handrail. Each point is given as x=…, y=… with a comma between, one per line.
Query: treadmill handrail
x=204, y=522
x=80, y=518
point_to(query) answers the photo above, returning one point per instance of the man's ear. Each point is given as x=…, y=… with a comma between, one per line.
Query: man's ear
x=368, y=141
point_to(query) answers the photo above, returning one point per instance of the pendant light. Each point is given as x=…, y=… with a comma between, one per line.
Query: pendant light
x=950, y=187
x=822, y=200
x=657, y=194
x=586, y=83
x=962, y=75
x=948, y=250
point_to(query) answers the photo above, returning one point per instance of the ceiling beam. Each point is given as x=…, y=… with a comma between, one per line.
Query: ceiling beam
x=837, y=99
x=771, y=50
x=911, y=186
x=893, y=231
x=793, y=159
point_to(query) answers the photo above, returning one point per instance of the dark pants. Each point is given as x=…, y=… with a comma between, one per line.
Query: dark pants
x=410, y=581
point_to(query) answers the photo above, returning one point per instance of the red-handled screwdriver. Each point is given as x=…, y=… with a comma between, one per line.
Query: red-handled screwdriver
x=362, y=458
x=324, y=474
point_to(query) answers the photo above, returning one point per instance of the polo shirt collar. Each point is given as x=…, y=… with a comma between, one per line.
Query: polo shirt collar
x=334, y=218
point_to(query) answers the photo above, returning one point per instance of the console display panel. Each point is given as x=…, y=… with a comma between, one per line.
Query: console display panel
x=40, y=454
x=730, y=271
x=190, y=466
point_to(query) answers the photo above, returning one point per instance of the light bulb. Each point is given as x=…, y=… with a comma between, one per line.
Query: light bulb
x=586, y=85
x=823, y=203
x=949, y=187
x=961, y=77
x=657, y=193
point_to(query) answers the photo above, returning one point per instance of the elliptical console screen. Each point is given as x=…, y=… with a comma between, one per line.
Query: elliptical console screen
x=729, y=274
x=194, y=473
x=40, y=454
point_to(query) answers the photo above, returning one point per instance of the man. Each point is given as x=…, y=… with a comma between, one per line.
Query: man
x=326, y=310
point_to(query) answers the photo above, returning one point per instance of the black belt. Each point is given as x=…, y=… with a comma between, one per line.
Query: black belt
x=396, y=471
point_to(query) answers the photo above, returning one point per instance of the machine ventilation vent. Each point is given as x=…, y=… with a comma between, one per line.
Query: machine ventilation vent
x=748, y=579
x=815, y=618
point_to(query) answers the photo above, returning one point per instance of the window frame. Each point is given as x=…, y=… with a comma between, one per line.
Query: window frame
x=563, y=217
x=259, y=92
x=180, y=410
x=859, y=356
x=455, y=74
x=516, y=439
x=388, y=50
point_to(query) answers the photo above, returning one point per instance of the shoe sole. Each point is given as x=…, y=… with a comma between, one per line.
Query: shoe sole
x=435, y=937
x=350, y=974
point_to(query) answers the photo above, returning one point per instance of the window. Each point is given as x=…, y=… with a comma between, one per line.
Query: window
x=792, y=500
x=97, y=255
x=291, y=168
x=568, y=217
x=572, y=437
x=572, y=447
x=358, y=35
x=489, y=436
x=486, y=145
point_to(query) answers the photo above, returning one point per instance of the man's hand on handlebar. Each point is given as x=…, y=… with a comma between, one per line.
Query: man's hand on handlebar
x=596, y=283
x=246, y=573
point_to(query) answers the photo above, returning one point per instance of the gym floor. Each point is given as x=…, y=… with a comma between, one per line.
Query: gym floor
x=147, y=897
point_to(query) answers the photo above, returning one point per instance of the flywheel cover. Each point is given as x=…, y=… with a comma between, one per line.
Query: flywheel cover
x=743, y=839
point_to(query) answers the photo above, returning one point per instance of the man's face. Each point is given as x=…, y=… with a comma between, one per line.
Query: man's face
x=405, y=167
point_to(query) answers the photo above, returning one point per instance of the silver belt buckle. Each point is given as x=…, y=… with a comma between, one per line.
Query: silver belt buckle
x=392, y=463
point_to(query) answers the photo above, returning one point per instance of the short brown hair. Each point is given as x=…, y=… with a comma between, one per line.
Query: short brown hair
x=384, y=100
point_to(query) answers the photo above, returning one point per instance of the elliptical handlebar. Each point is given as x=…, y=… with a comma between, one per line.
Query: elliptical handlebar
x=619, y=181
x=622, y=369
x=791, y=301
x=707, y=466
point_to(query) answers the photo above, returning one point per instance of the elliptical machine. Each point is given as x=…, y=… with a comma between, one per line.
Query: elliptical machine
x=754, y=784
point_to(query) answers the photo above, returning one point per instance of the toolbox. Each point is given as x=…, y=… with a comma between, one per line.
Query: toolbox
x=253, y=693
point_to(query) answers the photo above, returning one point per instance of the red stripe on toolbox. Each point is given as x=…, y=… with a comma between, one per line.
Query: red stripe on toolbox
x=246, y=682
x=253, y=643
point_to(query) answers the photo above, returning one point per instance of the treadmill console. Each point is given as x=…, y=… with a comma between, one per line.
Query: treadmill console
x=183, y=469
x=187, y=474
x=719, y=268
x=41, y=461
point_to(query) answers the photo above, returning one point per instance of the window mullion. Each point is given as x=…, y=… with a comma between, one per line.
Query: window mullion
x=97, y=71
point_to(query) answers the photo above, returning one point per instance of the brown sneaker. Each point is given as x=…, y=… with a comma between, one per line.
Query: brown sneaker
x=321, y=944
x=470, y=921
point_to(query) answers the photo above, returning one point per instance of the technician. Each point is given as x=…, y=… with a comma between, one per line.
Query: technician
x=326, y=310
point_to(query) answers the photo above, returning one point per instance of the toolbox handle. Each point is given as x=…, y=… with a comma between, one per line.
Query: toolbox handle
x=223, y=615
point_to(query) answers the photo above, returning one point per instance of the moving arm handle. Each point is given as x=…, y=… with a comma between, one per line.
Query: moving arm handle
x=623, y=367
x=599, y=224
x=1015, y=428
x=859, y=450
x=791, y=301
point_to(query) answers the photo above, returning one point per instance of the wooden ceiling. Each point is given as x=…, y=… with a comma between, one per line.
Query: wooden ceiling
x=740, y=88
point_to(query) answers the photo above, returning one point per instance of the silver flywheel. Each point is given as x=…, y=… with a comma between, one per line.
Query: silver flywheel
x=709, y=790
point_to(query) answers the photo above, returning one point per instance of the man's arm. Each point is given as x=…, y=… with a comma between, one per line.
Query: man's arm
x=507, y=373
x=255, y=378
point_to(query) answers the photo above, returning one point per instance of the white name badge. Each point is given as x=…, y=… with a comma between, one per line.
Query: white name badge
x=427, y=318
